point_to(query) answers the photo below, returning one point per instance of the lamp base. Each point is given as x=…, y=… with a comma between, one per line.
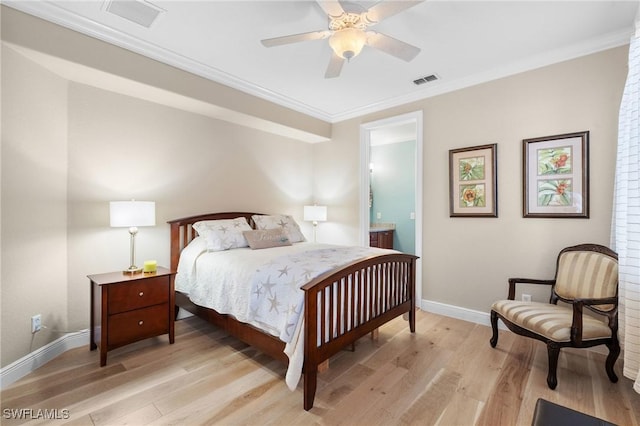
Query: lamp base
x=132, y=270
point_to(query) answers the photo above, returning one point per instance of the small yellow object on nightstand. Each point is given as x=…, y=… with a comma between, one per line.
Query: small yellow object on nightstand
x=149, y=266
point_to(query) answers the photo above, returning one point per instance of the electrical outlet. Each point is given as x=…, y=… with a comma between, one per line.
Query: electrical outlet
x=526, y=297
x=379, y=215
x=36, y=323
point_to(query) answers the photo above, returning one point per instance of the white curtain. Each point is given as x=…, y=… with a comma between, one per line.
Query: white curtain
x=626, y=218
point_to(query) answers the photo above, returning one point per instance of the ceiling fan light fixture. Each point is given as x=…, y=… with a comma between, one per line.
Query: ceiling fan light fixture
x=348, y=42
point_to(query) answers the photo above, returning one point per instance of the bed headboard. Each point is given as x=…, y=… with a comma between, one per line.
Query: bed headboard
x=182, y=231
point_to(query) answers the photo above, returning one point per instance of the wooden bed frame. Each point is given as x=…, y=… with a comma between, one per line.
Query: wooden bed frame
x=385, y=286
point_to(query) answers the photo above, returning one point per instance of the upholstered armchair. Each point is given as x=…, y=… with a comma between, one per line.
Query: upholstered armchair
x=586, y=277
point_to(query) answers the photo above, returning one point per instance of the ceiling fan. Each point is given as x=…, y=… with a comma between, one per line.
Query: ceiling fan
x=348, y=32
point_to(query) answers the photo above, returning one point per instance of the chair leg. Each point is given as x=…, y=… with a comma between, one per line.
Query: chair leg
x=553, y=352
x=614, y=351
x=494, y=327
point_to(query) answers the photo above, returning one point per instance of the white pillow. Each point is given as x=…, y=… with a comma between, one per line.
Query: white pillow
x=283, y=221
x=223, y=234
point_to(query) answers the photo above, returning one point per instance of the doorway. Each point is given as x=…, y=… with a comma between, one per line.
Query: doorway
x=402, y=128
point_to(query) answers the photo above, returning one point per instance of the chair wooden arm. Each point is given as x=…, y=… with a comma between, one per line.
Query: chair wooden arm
x=576, y=322
x=600, y=301
x=578, y=304
x=514, y=281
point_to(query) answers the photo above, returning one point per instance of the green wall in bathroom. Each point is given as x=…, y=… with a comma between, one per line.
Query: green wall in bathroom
x=393, y=186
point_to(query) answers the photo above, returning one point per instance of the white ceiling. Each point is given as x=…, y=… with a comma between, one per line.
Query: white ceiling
x=462, y=42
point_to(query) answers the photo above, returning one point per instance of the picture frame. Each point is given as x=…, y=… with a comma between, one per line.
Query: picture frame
x=473, y=181
x=556, y=176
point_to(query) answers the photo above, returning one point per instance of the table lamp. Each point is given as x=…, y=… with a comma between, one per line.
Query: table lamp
x=132, y=214
x=315, y=214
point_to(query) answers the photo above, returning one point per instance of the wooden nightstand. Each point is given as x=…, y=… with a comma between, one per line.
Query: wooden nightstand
x=126, y=308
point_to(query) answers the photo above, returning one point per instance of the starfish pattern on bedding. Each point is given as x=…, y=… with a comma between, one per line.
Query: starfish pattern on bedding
x=279, y=302
x=258, y=291
x=293, y=309
x=268, y=285
x=284, y=271
x=274, y=304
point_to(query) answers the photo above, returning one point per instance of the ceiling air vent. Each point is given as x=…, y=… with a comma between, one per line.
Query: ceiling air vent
x=425, y=79
x=141, y=12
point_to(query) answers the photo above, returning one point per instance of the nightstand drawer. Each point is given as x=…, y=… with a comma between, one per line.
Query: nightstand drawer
x=138, y=294
x=128, y=327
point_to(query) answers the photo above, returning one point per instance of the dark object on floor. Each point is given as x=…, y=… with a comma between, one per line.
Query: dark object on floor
x=550, y=414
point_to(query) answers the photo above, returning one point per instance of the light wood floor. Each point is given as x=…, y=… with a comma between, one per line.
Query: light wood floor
x=444, y=374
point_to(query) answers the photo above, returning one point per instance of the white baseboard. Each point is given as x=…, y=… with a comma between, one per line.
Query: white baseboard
x=28, y=363
x=477, y=317
x=41, y=356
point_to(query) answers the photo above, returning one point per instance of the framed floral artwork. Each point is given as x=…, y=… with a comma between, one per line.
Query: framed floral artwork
x=556, y=176
x=473, y=184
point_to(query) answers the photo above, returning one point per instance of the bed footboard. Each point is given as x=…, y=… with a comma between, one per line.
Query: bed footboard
x=342, y=306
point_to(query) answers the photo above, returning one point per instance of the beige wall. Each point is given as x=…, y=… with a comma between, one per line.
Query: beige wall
x=122, y=148
x=68, y=149
x=34, y=204
x=466, y=261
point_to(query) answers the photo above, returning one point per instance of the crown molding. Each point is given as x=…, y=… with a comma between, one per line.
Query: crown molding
x=53, y=13
x=595, y=45
x=56, y=14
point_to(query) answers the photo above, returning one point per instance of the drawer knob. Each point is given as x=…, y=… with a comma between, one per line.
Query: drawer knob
x=140, y=322
x=141, y=294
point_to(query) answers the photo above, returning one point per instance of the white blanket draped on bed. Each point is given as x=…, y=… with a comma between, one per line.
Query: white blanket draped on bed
x=262, y=287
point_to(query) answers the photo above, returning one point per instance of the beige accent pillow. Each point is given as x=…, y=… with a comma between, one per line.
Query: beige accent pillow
x=266, y=238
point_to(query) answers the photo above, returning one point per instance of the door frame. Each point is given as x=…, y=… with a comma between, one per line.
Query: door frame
x=365, y=145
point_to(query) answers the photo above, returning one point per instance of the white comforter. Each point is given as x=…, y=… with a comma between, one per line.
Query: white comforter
x=262, y=287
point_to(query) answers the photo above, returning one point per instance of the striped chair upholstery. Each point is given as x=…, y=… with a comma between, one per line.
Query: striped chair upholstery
x=550, y=321
x=585, y=275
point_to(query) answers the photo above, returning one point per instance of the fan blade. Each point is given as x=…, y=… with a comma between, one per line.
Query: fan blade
x=392, y=46
x=388, y=8
x=335, y=66
x=331, y=7
x=295, y=38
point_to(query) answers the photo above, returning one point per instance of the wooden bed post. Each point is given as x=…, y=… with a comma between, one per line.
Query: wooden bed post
x=176, y=247
x=310, y=382
x=412, y=295
x=310, y=366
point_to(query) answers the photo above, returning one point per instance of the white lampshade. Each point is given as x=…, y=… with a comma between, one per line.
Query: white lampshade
x=348, y=42
x=315, y=213
x=132, y=213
